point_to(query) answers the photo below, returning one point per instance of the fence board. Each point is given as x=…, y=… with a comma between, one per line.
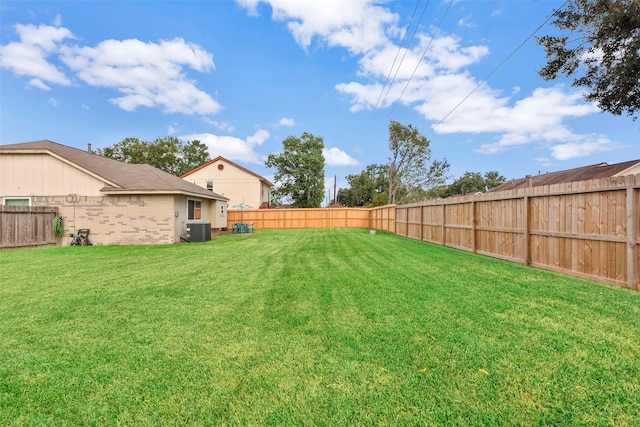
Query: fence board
x=25, y=226
x=590, y=229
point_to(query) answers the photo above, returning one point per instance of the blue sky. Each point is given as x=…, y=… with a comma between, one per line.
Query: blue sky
x=243, y=75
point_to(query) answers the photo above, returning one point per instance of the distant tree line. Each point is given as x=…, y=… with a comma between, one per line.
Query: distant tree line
x=409, y=175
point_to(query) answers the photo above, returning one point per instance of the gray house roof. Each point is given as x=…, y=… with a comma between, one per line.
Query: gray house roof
x=597, y=171
x=119, y=178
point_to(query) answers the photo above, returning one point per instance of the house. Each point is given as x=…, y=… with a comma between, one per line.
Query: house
x=231, y=180
x=119, y=203
x=597, y=171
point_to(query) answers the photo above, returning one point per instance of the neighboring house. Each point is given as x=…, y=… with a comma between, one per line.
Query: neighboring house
x=231, y=180
x=120, y=203
x=585, y=173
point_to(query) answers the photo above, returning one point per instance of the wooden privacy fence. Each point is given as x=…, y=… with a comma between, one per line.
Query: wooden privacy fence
x=589, y=229
x=24, y=226
x=383, y=218
x=301, y=218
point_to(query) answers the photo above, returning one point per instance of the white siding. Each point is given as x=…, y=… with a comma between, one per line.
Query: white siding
x=44, y=175
x=633, y=170
x=236, y=184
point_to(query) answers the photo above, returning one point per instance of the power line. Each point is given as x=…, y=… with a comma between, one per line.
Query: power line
x=415, y=30
x=424, y=53
x=504, y=61
x=398, y=54
x=389, y=81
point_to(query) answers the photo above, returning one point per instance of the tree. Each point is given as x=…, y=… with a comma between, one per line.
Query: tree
x=492, y=179
x=300, y=170
x=605, y=44
x=364, y=186
x=409, y=173
x=470, y=182
x=168, y=154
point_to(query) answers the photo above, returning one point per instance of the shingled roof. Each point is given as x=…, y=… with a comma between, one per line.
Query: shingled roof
x=119, y=177
x=597, y=171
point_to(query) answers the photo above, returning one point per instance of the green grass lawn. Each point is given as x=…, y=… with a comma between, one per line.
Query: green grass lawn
x=309, y=327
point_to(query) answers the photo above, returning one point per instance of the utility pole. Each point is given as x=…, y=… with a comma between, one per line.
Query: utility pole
x=334, y=189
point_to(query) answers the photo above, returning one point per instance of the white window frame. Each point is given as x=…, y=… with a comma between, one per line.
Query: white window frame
x=6, y=199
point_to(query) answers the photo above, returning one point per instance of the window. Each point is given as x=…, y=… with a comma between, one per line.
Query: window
x=17, y=201
x=222, y=205
x=195, y=209
x=210, y=185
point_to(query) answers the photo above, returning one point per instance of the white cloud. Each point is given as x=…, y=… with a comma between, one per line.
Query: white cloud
x=355, y=25
x=36, y=82
x=258, y=138
x=53, y=102
x=285, y=121
x=376, y=62
x=28, y=57
x=466, y=22
x=147, y=74
x=447, y=53
x=250, y=5
x=563, y=143
x=587, y=145
x=224, y=126
x=230, y=147
x=544, y=161
x=336, y=157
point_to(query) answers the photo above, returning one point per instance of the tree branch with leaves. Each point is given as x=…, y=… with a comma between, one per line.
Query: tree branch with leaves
x=299, y=170
x=410, y=173
x=602, y=50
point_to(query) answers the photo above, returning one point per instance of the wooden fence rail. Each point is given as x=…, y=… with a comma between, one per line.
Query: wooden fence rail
x=26, y=226
x=589, y=229
x=301, y=218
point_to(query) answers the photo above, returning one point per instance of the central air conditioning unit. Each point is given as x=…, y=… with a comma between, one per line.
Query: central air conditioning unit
x=199, y=231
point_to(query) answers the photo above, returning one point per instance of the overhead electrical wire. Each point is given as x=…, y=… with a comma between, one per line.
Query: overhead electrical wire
x=389, y=81
x=504, y=61
x=404, y=55
x=424, y=53
x=398, y=54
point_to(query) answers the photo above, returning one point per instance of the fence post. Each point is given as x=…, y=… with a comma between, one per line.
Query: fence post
x=422, y=223
x=473, y=226
x=395, y=219
x=632, y=239
x=526, y=225
x=444, y=239
x=406, y=222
